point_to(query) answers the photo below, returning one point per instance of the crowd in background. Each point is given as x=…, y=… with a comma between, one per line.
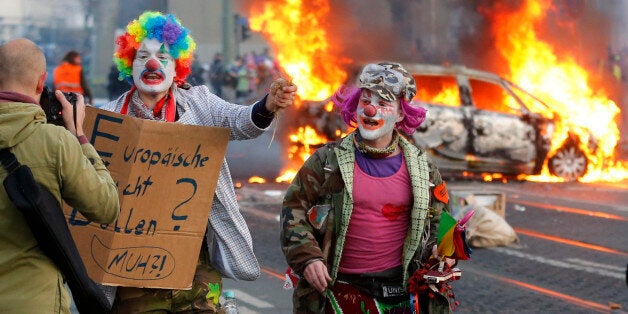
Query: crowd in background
x=247, y=77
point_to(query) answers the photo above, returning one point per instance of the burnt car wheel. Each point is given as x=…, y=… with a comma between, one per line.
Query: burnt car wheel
x=569, y=163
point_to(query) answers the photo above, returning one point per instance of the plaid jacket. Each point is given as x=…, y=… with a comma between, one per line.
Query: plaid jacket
x=198, y=106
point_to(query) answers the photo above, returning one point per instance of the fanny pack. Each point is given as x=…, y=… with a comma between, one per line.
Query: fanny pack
x=45, y=218
x=386, y=286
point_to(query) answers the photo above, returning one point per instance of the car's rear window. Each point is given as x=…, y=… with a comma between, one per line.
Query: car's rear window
x=437, y=90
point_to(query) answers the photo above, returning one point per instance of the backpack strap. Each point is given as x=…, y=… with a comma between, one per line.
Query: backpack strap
x=8, y=160
x=47, y=223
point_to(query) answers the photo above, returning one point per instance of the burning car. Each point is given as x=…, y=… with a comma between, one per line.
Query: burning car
x=478, y=124
x=481, y=123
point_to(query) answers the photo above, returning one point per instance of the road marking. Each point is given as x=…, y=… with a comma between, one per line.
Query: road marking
x=598, y=265
x=516, y=193
x=571, y=210
x=573, y=300
x=569, y=242
x=273, y=273
x=562, y=264
x=259, y=213
x=244, y=297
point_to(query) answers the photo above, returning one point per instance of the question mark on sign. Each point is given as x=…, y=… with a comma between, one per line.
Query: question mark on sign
x=183, y=217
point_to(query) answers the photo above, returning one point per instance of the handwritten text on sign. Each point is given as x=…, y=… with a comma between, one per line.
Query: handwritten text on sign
x=166, y=174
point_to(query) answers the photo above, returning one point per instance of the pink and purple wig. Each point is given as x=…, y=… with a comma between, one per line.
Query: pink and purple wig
x=347, y=99
x=164, y=28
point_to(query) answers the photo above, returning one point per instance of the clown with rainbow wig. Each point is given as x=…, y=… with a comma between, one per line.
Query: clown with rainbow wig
x=155, y=55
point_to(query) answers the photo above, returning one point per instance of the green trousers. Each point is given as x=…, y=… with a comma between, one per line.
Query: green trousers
x=202, y=298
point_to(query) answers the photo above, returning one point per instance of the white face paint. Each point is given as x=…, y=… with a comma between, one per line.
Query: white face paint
x=380, y=121
x=160, y=79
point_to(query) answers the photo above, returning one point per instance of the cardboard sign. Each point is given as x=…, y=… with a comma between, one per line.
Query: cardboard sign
x=166, y=175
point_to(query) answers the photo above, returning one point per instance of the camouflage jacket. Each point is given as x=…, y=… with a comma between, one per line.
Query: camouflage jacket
x=318, y=204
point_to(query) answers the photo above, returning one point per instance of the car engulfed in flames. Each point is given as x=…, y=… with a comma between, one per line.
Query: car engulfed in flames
x=479, y=123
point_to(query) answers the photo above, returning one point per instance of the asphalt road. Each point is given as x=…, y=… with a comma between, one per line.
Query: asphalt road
x=571, y=256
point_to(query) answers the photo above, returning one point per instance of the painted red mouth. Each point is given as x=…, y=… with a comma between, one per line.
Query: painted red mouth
x=152, y=78
x=371, y=124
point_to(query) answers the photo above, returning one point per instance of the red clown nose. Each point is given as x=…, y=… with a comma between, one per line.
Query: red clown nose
x=152, y=65
x=370, y=111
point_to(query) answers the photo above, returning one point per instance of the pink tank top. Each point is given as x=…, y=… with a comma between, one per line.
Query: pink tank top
x=379, y=222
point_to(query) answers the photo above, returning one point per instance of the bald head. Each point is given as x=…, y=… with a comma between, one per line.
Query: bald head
x=22, y=64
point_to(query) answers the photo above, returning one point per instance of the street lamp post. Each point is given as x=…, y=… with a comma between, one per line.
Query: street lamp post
x=228, y=44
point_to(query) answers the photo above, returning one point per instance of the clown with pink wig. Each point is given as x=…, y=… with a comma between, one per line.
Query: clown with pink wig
x=155, y=54
x=360, y=218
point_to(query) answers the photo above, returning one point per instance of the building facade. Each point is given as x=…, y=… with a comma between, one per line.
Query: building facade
x=90, y=27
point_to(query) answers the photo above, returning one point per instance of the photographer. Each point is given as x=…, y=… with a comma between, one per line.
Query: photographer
x=64, y=162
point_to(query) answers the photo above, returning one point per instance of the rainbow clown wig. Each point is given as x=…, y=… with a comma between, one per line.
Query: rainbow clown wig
x=165, y=28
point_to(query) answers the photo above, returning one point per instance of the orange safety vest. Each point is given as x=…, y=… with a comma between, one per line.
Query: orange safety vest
x=67, y=78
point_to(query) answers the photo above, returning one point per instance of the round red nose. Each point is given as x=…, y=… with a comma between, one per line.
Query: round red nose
x=370, y=111
x=152, y=65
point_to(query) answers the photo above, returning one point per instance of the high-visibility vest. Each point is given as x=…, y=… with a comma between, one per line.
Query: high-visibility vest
x=67, y=78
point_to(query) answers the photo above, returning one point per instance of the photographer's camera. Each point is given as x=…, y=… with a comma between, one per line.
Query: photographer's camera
x=52, y=107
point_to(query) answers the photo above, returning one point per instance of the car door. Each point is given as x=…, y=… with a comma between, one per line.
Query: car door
x=446, y=127
x=501, y=139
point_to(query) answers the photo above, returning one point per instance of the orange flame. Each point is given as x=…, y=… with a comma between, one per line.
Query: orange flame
x=308, y=137
x=448, y=95
x=295, y=30
x=301, y=43
x=256, y=179
x=563, y=84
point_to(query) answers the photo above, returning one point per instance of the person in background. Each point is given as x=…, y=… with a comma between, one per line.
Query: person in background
x=69, y=76
x=266, y=70
x=239, y=73
x=361, y=215
x=115, y=86
x=196, y=77
x=156, y=52
x=251, y=71
x=62, y=160
x=217, y=74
